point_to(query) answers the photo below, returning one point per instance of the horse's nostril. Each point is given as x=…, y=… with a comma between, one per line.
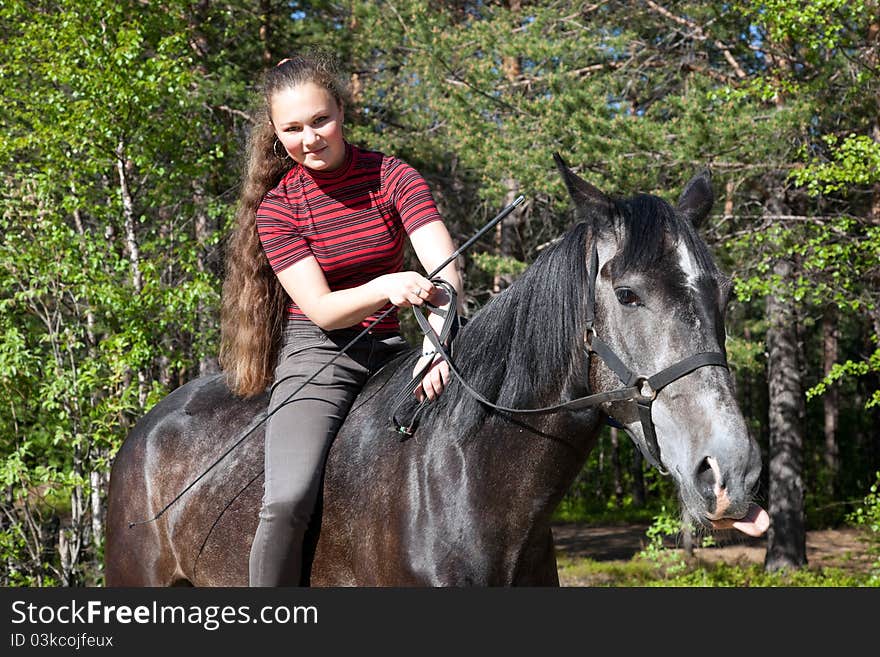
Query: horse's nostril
x=706, y=476
x=704, y=467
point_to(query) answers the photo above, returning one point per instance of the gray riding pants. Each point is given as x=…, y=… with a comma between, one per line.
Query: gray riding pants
x=299, y=432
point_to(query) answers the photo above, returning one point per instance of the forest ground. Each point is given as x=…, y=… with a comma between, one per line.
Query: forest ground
x=843, y=548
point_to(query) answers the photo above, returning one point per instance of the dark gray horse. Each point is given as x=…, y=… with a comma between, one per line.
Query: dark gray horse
x=467, y=500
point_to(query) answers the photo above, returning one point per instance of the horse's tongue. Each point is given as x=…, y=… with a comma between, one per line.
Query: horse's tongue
x=754, y=523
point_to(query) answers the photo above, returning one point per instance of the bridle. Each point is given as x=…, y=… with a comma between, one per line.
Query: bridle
x=648, y=387
x=638, y=388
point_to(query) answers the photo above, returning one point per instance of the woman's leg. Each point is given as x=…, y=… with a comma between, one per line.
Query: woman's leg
x=299, y=432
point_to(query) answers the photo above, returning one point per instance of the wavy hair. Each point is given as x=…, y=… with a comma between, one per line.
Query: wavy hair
x=253, y=302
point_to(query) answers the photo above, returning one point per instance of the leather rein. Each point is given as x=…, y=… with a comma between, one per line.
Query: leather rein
x=638, y=388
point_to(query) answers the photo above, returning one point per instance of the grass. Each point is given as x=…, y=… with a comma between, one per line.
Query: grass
x=659, y=565
x=669, y=568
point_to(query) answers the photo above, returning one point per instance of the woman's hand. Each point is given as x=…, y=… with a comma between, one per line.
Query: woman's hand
x=434, y=380
x=405, y=289
x=437, y=376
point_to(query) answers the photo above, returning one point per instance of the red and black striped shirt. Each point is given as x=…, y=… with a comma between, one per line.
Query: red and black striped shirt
x=352, y=220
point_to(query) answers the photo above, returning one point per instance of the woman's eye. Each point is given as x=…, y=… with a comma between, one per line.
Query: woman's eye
x=319, y=120
x=627, y=297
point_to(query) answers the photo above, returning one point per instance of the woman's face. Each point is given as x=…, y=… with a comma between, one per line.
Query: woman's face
x=308, y=123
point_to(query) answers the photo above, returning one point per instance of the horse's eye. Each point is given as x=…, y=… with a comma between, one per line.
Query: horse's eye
x=627, y=297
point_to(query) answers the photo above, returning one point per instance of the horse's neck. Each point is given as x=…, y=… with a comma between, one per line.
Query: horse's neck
x=499, y=490
x=502, y=475
x=515, y=469
x=521, y=465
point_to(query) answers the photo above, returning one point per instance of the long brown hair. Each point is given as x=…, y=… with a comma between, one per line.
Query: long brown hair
x=254, y=304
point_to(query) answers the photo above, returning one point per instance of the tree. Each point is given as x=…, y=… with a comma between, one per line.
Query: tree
x=102, y=266
x=786, y=538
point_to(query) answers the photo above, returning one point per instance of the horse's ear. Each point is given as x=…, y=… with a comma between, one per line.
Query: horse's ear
x=583, y=194
x=696, y=200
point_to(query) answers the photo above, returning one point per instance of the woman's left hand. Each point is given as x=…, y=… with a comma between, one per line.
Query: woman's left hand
x=434, y=380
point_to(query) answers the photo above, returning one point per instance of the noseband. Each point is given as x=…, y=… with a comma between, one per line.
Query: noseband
x=638, y=388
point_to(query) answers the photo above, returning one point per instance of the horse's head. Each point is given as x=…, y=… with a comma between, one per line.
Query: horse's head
x=659, y=308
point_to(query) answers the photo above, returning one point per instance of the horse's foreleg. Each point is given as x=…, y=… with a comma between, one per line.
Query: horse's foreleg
x=135, y=555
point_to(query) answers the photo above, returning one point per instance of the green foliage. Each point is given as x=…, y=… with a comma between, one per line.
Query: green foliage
x=868, y=515
x=835, y=245
x=818, y=25
x=498, y=265
x=849, y=368
x=594, y=497
x=854, y=161
x=745, y=356
x=578, y=506
x=837, y=261
x=665, y=524
x=114, y=154
x=123, y=127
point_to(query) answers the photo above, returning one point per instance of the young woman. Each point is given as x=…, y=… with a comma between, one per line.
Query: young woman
x=316, y=257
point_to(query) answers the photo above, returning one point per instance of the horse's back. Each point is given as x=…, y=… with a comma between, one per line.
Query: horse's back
x=180, y=438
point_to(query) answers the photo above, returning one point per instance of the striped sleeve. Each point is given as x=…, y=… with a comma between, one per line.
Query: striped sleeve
x=410, y=194
x=278, y=232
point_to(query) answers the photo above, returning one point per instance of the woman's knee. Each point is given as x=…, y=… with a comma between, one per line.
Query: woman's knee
x=293, y=503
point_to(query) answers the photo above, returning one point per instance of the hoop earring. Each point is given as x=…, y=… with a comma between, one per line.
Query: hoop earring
x=275, y=146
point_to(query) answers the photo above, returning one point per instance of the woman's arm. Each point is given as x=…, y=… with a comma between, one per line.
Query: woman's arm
x=433, y=244
x=306, y=284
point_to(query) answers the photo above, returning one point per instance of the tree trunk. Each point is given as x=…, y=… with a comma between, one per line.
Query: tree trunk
x=830, y=400
x=751, y=406
x=618, y=470
x=266, y=31
x=506, y=228
x=70, y=536
x=869, y=437
x=638, y=479
x=96, y=485
x=873, y=41
x=786, y=538
x=504, y=236
x=599, y=479
x=207, y=364
x=96, y=500
x=131, y=243
x=687, y=534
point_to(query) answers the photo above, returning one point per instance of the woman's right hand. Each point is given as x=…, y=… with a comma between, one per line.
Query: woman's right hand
x=406, y=288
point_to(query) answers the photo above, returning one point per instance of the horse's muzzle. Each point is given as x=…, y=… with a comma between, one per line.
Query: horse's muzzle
x=753, y=522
